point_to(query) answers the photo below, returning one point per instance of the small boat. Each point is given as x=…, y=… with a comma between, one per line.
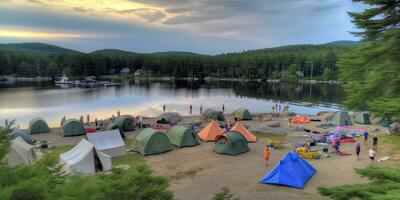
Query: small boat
x=63, y=80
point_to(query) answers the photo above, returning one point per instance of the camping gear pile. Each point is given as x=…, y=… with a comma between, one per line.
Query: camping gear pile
x=299, y=120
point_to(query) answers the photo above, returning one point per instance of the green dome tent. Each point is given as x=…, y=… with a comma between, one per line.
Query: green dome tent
x=362, y=118
x=383, y=121
x=181, y=136
x=123, y=122
x=212, y=114
x=72, y=127
x=169, y=117
x=341, y=118
x=38, y=125
x=231, y=143
x=150, y=141
x=242, y=114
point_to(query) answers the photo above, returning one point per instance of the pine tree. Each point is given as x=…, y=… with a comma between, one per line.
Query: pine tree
x=373, y=71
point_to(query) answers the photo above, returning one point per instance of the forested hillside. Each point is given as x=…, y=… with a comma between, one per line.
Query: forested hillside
x=287, y=62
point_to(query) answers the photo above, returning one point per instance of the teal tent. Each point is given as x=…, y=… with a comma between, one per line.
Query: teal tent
x=231, y=143
x=38, y=125
x=341, y=118
x=123, y=122
x=181, y=136
x=242, y=114
x=211, y=114
x=362, y=118
x=72, y=127
x=150, y=141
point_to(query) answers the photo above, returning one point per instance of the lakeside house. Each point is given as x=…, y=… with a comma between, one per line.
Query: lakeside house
x=125, y=70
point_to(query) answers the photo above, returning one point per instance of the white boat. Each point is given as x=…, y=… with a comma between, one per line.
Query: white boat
x=63, y=80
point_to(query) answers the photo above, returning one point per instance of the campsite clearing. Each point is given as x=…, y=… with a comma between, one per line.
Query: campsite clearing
x=198, y=173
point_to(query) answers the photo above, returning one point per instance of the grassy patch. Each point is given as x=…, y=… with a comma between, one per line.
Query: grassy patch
x=393, y=140
x=269, y=135
x=133, y=160
x=189, y=173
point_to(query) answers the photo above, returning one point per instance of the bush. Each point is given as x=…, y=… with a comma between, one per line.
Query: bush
x=385, y=185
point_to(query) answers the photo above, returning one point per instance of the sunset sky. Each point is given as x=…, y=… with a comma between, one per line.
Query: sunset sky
x=203, y=26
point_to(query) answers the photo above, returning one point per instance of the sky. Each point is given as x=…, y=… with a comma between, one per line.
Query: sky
x=202, y=26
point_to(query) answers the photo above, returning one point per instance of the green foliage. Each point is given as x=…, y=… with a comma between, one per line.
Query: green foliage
x=385, y=185
x=372, y=71
x=45, y=180
x=52, y=70
x=327, y=74
x=225, y=194
x=28, y=60
x=68, y=71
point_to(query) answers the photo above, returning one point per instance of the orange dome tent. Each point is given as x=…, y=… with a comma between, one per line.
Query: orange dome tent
x=239, y=127
x=210, y=132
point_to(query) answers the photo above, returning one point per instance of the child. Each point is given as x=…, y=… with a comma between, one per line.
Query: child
x=358, y=149
x=372, y=154
x=267, y=154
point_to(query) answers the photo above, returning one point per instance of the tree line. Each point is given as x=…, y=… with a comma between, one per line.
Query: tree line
x=287, y=62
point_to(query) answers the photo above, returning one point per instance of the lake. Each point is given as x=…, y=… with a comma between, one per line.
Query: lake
x=23, y=100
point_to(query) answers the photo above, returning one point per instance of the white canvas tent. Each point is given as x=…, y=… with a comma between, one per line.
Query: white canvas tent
x=109, y=142
x=21, y=153
x=83, y=158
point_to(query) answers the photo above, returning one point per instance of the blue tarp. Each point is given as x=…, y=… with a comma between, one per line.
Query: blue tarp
x=291, y=171
x=18, y=132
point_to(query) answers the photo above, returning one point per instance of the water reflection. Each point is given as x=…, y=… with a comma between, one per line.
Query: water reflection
x=23, y=101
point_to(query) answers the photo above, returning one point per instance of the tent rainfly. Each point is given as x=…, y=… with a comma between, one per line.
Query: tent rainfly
x=240, y=128
x=242, y=114
x=210, y=132
x=341, y=118
x=150, y=141
x=38, y=125
x=181, y=136
x=231, y=143
x=170, y=117
x=108, y=142
x=83, y=158
x=16, y=132
x=123, y=122
x=211, y=114
x=72, y=127
x=21, y=153
x=362, y=118
x=291, y=171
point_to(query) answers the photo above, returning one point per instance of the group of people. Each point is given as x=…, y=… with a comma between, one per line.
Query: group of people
x=372, y=150
x=276, y=108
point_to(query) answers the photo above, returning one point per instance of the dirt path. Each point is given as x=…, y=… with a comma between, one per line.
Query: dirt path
x=199, y=173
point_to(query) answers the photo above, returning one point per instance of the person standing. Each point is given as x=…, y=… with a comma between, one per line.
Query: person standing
x=96, y=122
x=358, y=149
x=365, y=137
x=372, y=154
x=63, y=120
x=266, y=154
x=88, y=119
x=375, y=142
x=140, y=121
x=201, y=109
x=223, y=108
x=81, y=119
x=118, y=113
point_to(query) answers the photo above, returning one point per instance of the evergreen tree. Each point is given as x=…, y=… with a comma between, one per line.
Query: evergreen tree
x=373, y=71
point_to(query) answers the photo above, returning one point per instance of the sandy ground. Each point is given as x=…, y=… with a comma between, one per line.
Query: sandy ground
x=198, y=173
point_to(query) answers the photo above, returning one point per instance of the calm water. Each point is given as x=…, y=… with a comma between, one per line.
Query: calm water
x=24, y=101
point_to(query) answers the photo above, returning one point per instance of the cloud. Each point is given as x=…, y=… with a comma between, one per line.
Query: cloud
x=148, y=14
x=26, y=34
x=81, y=9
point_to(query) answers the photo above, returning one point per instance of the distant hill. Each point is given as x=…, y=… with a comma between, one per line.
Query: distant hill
x=36, y=48
x=176, y=53
x=346, y=43
x=113, y=52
